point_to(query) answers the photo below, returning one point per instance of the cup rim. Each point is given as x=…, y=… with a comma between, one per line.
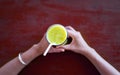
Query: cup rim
x=55, y=25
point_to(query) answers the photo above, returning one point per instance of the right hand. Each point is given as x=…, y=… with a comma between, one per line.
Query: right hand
x=78, y=44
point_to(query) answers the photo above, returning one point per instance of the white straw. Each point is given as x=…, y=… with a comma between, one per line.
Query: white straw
x=46, y=51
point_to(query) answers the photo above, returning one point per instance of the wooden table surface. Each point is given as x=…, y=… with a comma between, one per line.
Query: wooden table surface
x=23, y=23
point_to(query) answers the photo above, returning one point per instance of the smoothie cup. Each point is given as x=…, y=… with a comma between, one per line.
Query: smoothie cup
x=55, y=35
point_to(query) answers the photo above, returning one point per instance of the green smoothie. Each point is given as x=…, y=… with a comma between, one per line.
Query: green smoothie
x=56, y=34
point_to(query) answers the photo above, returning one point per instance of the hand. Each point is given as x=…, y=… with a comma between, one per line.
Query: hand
x=43, y=44
x=78, y=44
x=56, y=50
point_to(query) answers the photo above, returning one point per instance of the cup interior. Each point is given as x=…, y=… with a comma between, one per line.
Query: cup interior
x=63, y=29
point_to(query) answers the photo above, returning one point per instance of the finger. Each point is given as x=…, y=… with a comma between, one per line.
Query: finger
x=70, y=33
x=56, y=50
x=70, y=28
x=66, y=47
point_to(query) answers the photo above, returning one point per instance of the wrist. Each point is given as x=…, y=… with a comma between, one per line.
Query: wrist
x=30, y=54
x=88, y=51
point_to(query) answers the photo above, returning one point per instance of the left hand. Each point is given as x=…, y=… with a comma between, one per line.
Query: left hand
x=43, y=44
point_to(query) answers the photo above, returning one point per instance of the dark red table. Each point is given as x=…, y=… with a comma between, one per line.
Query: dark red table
x=23, y=23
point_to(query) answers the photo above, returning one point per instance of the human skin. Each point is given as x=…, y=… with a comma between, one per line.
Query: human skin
x=78, y=45
x=14, y=66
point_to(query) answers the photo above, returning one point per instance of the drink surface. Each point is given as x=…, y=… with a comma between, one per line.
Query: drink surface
x=56, y=34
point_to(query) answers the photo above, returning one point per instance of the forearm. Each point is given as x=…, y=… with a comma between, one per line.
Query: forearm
x=15, y=66
x=103, y=66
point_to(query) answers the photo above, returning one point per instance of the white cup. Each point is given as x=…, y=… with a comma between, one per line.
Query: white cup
x=56, y=35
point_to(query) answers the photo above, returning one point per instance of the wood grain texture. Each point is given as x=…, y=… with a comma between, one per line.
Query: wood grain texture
x=23, y=23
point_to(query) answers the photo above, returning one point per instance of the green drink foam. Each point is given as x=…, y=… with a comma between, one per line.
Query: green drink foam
x=56, y=34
